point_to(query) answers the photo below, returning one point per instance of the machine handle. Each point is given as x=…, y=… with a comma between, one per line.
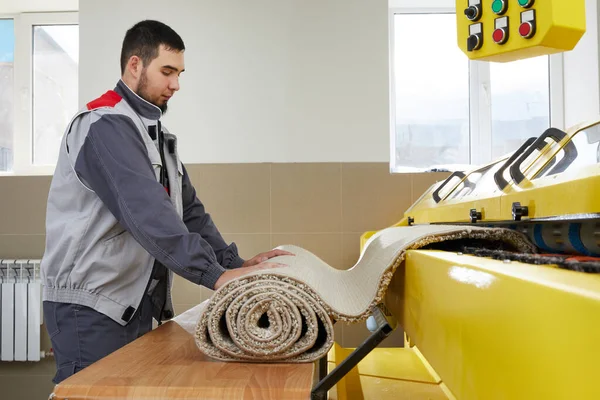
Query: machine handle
x=499, y=175
x=563, y=164
x=459, y=174
x=515, y=170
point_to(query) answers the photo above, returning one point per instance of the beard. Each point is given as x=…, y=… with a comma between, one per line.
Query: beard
x=142, y=91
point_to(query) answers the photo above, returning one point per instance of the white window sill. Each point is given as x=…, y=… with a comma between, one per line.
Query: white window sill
x=434, y=168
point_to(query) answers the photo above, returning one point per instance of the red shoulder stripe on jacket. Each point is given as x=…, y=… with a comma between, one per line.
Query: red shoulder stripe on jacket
x=108, y=99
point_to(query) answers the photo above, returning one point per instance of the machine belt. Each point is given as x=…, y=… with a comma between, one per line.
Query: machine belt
x=561, y=236
x=570, y=262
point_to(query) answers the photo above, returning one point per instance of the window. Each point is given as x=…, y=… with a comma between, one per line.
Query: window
x=38, y=88
x=432, y=93
x=55, y=73
x=448, y=112
x=520, y=102
x=7, y=56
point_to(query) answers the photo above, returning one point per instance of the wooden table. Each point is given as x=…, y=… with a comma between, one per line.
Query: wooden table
x=166, y=364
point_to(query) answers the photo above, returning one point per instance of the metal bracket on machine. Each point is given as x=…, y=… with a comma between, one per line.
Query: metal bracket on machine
x=385, y=325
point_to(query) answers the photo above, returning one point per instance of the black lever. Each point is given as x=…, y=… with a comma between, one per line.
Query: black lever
x=436, y=193
x=473, y=13
x=499, y=175
x=551, y=133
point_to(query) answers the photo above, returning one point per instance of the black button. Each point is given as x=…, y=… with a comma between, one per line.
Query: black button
x=472, y=43
x=168, y=314
x=472, y=13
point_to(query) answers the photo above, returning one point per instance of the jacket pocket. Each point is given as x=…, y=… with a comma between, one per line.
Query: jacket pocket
x=120, y=251
x=113, y=234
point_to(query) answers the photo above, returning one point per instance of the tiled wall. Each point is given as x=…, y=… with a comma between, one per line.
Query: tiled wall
x=322, y=207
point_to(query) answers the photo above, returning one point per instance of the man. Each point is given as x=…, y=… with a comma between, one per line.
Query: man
x=122, y=214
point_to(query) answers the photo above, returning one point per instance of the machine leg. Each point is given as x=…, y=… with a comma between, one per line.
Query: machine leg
x=326, y=382
x=322, y=368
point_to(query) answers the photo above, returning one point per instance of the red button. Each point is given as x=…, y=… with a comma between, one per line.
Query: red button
x=525, y=29
x=498, y=36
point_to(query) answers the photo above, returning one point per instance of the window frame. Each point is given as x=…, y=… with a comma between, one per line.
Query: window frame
x=480, y=102
x=23, y=87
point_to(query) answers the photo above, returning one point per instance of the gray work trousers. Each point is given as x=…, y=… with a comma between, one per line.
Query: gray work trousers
x=81, y=335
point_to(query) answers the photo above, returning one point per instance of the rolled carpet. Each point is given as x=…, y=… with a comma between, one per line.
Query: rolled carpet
x=286, y=314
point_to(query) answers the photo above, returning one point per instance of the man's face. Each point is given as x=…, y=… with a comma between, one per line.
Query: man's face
x=160, y=80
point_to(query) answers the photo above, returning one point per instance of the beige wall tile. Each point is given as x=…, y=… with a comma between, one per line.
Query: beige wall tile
x=26, y=387
x=249, y=245
x=338, y=333
x=181, y=308
x=23, y=204
x=372, y=197
x=350, y=249
x=321, y=207
x=236, y=195
x=305, y=198
x=22, y=246
x=185, y=292
x=206, y=294
x=326, y=246
x=46, y=367
x=354, y=334
x=45, y=343
x=396, y=339
x=422, y=182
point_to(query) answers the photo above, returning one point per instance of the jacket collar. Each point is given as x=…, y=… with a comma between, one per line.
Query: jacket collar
x=141, y=106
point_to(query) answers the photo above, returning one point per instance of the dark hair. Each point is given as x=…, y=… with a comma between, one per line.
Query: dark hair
x=143, y=40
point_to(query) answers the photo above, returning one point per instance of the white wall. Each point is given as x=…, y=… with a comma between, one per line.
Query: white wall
x=581, y=74
x=265, y=80
x=424, y=4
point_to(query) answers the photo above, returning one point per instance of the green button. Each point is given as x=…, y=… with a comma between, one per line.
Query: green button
x=498, y=5
x=524, y=3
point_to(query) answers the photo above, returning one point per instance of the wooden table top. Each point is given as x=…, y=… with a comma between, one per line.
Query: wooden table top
x=166, y=364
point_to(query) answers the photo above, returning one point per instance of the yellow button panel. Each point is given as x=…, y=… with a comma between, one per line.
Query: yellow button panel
x=509, y=30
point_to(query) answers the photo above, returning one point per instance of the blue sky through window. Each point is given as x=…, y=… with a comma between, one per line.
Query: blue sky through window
x=7, y=40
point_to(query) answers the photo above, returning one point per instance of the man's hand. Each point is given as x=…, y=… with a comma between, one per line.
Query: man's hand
x=262, y=257
x=231, y=274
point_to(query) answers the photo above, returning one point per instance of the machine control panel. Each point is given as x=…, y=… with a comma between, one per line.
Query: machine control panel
x=509, y=30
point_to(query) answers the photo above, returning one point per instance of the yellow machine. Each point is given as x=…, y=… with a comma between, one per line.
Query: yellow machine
x=508, y=30
x=486, y=323
x=490, y=324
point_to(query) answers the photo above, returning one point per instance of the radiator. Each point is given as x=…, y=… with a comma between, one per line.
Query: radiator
x=20, y=311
